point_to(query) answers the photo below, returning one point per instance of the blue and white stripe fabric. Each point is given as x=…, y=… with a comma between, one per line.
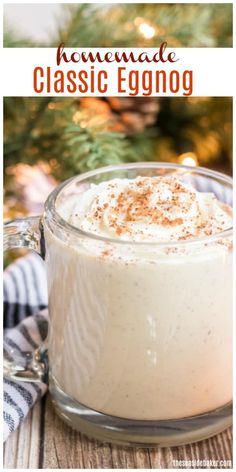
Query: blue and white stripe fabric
x=25, y=294
x=25, y=289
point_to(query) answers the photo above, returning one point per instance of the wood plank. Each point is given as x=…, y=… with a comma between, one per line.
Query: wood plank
x=217, y=448
x=66, y=448
x=70, y=449
x=21, y=450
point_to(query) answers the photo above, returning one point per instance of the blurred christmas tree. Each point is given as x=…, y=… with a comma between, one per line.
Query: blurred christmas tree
x=67, y=136
x=138, y=25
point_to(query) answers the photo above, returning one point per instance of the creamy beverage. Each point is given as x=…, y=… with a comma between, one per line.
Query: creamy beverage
x=140, y=312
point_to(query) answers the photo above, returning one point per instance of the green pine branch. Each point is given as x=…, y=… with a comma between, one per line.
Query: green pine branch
x=118, y=25
x=91, y=143
x=12, y=39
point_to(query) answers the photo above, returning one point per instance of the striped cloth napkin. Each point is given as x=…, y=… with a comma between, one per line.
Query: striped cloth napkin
x=25, y=300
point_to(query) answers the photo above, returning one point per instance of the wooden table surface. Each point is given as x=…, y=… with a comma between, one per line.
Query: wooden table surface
x=44, y=441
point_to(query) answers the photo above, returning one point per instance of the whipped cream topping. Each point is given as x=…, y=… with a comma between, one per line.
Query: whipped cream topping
x=153, y=209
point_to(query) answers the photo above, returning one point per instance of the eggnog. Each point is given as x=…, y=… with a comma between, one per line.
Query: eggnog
x=140, y=302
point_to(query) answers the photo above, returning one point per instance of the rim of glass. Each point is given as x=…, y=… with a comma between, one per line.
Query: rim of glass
x=50, y=204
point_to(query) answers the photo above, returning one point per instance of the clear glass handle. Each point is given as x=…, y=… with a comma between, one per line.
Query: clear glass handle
x=25, y=232
x=29, y=366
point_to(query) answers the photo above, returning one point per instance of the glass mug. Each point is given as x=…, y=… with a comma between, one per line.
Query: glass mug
x=139, y=344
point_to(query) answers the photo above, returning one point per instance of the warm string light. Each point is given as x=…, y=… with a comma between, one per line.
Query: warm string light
x=188, y=159
x=32, y=184
x=51, y=106
x=146, y=30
